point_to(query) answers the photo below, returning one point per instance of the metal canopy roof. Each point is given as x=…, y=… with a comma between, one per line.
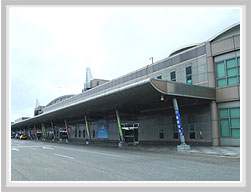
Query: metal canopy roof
x=133, y=98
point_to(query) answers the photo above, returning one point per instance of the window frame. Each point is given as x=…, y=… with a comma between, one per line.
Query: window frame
x=188, y=75
x=229, y=119
x=227, y=78
x=173, y=79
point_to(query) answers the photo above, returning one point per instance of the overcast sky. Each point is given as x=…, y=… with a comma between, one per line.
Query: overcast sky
x=50, y=47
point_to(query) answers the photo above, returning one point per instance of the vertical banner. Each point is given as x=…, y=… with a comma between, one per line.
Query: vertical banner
x=102, y=128
x=53, y=130
x=178, y=119
x=43, y=130
x=67, y=129
x=88, y=131
x=119, y=125
x=35, y=131
x=29, y=132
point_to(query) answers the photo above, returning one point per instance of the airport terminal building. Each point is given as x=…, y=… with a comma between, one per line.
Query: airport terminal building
x=138, y=107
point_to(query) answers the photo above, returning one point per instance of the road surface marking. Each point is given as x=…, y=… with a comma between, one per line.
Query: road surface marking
x=14, y=149
x=48, y=148
x=90, y=152
x=33, y=149
x=63, y=156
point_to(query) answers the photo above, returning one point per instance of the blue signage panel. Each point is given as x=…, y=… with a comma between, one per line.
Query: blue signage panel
x=102, y=128
x=180, y=128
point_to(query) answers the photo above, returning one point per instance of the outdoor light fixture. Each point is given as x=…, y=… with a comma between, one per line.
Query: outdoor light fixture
x=162, y=98
x=151, y=59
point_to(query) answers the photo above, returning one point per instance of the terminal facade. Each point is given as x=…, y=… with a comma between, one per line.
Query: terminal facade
x=137, y=107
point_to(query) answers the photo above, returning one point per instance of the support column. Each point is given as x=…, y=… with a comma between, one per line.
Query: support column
x=67, y=131
x=43, y=131
x=29, y=133
x=53, y=130
x=215, y=124
x=88, y=131
x=120, y=129
x=35, y=132
x=183, y=146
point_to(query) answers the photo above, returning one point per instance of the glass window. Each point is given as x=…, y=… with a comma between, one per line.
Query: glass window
x=224, y=113
x=232, y=80
x=228, y=72
x=189, y=79
x=84, y=133
x=173, y=76
x=161, y=135
x=235, y=123
x=224, y=128
x=220, y=69
x=221, y=82
x=235, y=133
x=230, y=122
x=189, y=70
x=235, y=112
x=231, y=63
x=93, y=133
x=159, y=77
x=189, y=74
x=192, y=135
x=191, y=129
x=79, y=133
x=231, y=72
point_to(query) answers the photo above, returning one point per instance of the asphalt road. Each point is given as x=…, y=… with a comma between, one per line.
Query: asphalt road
x=42, y=161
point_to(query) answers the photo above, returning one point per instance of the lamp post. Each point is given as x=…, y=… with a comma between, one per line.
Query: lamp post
x=151, y=60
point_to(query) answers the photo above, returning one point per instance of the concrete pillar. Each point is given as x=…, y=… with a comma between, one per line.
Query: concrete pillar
x=210, y=66
x=215, y=124
x=53, y=130
x=88, y=130
x=183, y=146
x=120, y=129
x=68, y=135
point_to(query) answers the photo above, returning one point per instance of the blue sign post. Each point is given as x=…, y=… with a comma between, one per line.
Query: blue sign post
x=183, y=145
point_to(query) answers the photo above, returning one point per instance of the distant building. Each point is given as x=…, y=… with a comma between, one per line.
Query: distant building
x=90, y=82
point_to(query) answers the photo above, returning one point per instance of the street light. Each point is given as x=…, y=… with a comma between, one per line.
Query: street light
x=151, y=59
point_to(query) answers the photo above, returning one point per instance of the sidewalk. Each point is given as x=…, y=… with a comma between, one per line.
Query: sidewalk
x=204, y=150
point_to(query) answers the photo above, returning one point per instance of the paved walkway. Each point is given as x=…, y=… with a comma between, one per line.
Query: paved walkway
x=204, y=150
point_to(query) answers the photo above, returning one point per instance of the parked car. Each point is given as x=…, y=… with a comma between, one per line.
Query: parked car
x=24, y=136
